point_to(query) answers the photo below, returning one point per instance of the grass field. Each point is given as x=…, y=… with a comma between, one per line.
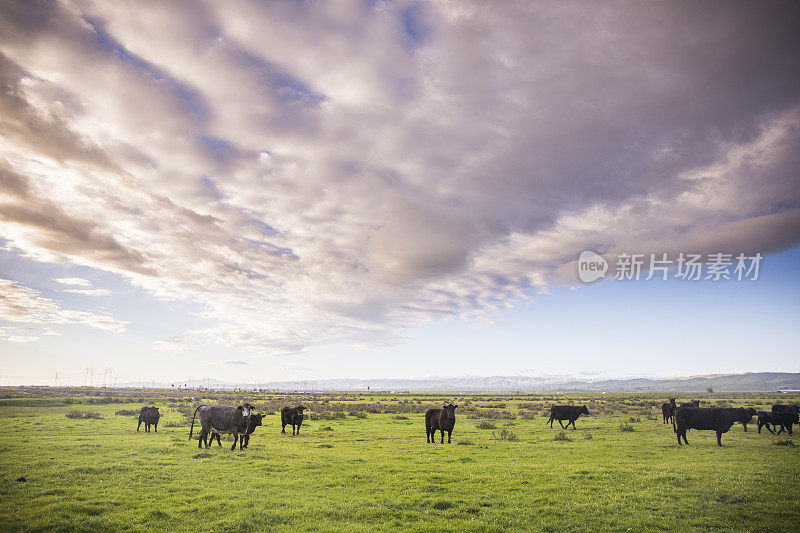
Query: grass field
x=369, y=468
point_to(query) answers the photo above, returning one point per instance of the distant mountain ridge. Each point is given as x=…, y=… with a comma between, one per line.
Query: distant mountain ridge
x=747, y=382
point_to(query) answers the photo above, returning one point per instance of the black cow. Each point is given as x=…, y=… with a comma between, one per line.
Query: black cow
x=253, y=423
x=785, y=416
x=693, y=403
x=713, y=418
x=741, y=414
x=570, y=413
x=443, y=419
x=293, y=416
x=150, y=416
x=223, y=419
x=668, y=410
x=765, y=420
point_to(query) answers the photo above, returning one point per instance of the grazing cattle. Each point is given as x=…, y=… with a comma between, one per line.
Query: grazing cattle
x=150, y=416
x=668, y=410
x=293, y=416
x=713, y=418
x=223, y=419
x=443, y=419
x=764, y=419
x=570, y=413
x=693, y=403
x=785, y=416
x=253, y=423
x=741, y=414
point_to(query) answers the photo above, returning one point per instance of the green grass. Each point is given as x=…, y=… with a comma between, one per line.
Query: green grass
x=377, y=473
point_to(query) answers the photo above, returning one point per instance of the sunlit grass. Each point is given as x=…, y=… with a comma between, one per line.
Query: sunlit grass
x=378, y=473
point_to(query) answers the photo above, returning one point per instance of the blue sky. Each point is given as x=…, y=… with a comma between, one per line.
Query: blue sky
x=258, y=191
x=607, y=329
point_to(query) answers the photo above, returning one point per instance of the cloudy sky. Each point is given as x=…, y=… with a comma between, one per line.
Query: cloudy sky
x=288, y=190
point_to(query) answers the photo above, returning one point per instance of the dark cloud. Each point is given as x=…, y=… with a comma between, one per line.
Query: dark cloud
x=424, y=162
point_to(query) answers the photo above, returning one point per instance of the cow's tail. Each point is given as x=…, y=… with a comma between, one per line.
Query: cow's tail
x=191, y=429
x=674, y=429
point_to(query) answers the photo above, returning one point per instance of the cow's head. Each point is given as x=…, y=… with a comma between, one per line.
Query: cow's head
x=299, y=409
x=155, y=409
x=584, y=410
x=246, y=409
x=672, y=402
x=451, y=410
x=255, y=420
x=751, y=411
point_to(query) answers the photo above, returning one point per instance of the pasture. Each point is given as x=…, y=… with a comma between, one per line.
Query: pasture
x=361, y=463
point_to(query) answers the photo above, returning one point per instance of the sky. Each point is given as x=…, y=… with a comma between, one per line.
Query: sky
x=262, y=191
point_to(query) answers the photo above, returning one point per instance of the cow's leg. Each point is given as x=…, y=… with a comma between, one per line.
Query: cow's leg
x=789, y=429
x=561, y=423
x=770, y=429
x=744, y=424
x=442, y=432
x=283, y=428
x=298, y=428
x=155, y=427
x=201, y=438
x=246, y=439
x=678, y=433
x=719, y=438
x=551, y=422
x=139, y=425
x=571, y=422
x=449, y=433
x=235, y=440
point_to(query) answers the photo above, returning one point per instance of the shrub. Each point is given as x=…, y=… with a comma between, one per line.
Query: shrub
x=486, y=425
x=358, y=414
x=83, y=414
x=784, y=443
x=562, y=437
x=587, y=434
x=400, y=417
x=465, y=442
x=626, y=427
x=527, y=415
x=127, y=412
x=506, y=434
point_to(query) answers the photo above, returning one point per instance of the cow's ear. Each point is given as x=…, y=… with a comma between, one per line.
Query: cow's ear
x=456, y=405
x=239, y=408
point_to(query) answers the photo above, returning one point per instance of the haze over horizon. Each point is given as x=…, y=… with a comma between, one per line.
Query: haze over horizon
x=308, y=190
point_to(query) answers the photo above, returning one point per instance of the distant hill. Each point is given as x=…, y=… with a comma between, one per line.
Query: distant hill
x=749, y=382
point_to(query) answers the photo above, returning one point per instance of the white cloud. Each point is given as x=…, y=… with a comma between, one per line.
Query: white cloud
x=80, y=282
x=89, y=292
x=23, y=305
x=454, y=171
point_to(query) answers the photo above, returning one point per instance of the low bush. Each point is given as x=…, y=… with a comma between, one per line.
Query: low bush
x=506, y=434
x=83, y=414
x=626, y=427
x=486, y=425
x=127, y=412
x=562, y=437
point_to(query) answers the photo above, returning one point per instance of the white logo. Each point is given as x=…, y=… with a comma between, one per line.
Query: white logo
x=591, y=266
